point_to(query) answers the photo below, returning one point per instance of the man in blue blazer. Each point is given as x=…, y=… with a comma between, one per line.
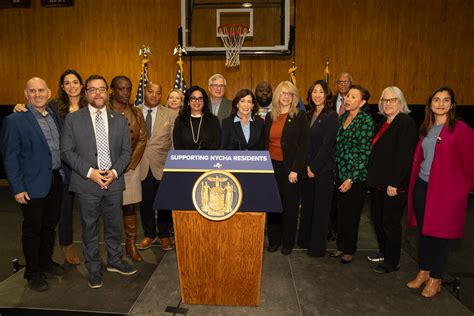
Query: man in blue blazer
x=96, y=145
x=31, y=157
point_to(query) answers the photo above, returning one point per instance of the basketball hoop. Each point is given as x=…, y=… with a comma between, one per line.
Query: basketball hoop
x=233, y=36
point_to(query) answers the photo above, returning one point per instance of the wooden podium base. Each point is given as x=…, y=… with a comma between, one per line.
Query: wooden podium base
x=219, y=263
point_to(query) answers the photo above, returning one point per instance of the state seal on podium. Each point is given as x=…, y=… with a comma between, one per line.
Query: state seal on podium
x=217, y=195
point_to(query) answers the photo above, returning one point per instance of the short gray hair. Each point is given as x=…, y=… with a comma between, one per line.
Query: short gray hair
x=215, y=77
x=399, y=95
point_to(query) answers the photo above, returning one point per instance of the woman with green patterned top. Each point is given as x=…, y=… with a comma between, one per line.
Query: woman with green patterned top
x=353, y=144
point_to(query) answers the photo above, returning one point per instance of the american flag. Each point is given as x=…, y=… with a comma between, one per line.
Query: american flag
x=179, y=82
x=142, y=85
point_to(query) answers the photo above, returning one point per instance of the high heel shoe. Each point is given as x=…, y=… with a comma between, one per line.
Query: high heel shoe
x=421, y=277
x=433, y=287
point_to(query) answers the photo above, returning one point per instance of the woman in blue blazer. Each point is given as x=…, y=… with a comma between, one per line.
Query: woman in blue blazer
x=243, y=130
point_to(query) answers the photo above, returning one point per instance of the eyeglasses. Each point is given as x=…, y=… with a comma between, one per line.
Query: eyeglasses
x=219, y=86
x=389, y=101
x=97, y=90
x=194, y=99
x=343, y=82
x=286, y=94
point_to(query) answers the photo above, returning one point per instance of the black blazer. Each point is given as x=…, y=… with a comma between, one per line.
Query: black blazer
x=294, y=141
x=322, y=142
x=392, y=155
x=233, y=136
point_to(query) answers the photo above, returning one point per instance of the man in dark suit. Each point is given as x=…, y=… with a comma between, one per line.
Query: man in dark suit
x=218, y=104
x=31, y=157
x=96, y=145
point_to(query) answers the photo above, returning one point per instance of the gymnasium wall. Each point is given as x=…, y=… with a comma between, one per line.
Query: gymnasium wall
x=415, y=44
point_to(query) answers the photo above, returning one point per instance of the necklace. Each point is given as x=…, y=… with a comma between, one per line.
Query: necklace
x=192, y=129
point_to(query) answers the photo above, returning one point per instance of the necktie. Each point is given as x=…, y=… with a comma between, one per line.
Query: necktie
x=148, y=120
x=341, y=108
x=103, y=153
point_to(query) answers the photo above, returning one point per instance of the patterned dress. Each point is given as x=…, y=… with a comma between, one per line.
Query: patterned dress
x=353, y=146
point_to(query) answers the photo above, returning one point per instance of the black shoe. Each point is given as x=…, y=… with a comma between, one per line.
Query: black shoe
x=376, y=257
x=122, y=268
x=385, y=268
x=54, y=268
x=273, y=248
x=95, y=280
x=286, y=251
x=38, y=283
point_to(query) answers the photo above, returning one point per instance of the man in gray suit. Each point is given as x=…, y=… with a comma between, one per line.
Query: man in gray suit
x=96, y=145
x=218, y=104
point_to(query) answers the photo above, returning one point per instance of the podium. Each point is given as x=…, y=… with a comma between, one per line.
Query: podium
x=219, y=262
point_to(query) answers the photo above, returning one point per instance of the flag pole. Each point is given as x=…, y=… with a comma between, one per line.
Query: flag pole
x=143, y=51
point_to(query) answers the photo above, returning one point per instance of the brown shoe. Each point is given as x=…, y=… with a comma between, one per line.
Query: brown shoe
x=421, y=277
x=130, y=226
x=70, y=255
x=433, y=287
x=146, y=243
x=345, y=259
x=166, y=244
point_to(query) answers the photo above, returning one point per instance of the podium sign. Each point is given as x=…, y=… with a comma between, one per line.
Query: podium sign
x=253, y=169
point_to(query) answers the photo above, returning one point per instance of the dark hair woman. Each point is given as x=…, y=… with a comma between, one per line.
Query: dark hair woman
x=442, y=176
x=317, y=189
x=353, y=139
x=243, y=130
x=195, y=127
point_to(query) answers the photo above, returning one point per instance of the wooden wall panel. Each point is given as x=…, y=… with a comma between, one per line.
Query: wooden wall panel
x=415, y=44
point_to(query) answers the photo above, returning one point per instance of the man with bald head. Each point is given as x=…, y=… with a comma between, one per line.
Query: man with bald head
x=160, y=123
x=263, y=94
x=31, y=157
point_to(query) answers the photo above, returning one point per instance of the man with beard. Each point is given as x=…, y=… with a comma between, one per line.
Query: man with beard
x=96, y=145
x=160, y=123
x=263, y=94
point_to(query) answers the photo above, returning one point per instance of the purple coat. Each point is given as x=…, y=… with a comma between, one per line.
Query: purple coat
x=450, y=181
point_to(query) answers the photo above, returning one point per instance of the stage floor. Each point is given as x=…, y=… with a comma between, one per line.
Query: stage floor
x=291, y=285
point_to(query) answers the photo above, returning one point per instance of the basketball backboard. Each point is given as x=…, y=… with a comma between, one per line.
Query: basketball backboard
x=268, y=22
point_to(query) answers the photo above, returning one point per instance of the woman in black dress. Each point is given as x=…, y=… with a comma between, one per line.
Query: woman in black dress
x=195, y=127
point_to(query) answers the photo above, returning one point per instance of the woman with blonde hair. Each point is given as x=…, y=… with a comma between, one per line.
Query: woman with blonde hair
x=175, y=99
x=286, y=138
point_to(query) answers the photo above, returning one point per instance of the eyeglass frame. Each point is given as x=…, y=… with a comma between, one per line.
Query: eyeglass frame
x=93, y=90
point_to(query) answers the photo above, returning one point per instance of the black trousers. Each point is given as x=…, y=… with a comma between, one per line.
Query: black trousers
x=150, y=223
x=65, y=227
x=316, y=204
x=333, y=213
x=282, y=226
x=349, y=208
x=40, y=217
x=386, y=213
x=433, y=251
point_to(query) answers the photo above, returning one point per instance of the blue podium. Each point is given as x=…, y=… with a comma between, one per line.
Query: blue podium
x=219, y=262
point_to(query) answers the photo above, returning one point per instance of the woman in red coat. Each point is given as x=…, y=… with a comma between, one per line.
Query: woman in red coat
x=442, y=177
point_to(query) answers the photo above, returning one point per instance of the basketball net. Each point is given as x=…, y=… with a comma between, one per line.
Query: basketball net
x=233, y=37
